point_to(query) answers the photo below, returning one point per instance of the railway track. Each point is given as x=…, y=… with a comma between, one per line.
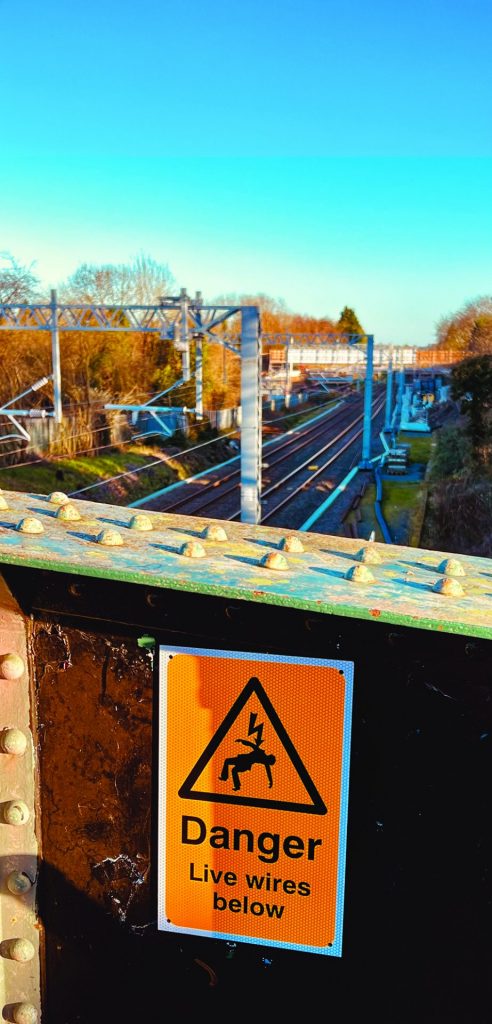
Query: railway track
x=299, y=469
x=181, y=497
x=304, y=489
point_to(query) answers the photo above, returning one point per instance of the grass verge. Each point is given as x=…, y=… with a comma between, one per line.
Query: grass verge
x=404, y=498
x=72, y=474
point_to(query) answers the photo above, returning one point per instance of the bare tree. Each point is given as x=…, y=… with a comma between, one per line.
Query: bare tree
x=469, y=329
x=138, y=283
x=481, y=336
x=17, y=283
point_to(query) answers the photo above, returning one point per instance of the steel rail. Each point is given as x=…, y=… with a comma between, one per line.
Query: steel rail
x=224, y=491
x=308, y=435
x=202, y=506
x=307, y=483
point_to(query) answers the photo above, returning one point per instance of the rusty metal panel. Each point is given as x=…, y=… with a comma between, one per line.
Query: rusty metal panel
x=94, y=703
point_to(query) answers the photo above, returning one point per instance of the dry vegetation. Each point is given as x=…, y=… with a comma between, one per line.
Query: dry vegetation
x=459, y=507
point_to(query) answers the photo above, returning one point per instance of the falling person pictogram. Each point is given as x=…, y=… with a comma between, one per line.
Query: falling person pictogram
x=245, y=762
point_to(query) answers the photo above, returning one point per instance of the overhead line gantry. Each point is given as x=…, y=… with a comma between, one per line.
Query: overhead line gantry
x=180, y=319
x=177, y=319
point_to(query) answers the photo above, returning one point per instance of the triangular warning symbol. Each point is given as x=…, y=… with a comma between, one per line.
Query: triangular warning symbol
x=255, y=757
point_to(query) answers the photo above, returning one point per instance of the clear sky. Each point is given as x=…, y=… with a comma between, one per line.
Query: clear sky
x=321, y=153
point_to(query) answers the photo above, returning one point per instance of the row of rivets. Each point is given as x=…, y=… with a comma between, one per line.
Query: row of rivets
x=368, y=554
x=16, y=812
x=447, y=586
x=191, y=549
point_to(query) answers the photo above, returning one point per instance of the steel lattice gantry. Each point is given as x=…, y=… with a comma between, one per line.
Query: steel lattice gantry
x=174, y=318
x=319, y=342
x=177, y=319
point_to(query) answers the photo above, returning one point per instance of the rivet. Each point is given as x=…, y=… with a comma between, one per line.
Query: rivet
x=25, y=1013
x=3, y=503
x=19, y=883
x=291, y=543
x=68, y=512
x=58, y=498
x=21, y=950
x=452, y=567
x=274, y=560
x=110, y=537
x=215, y=532
x=193, y=549
x=370, y=555
x=15, y=812
x=11, y=666
x=448, y=587
x=140, y=522
x=359, y=574
x=30, y=525
x=13, y=741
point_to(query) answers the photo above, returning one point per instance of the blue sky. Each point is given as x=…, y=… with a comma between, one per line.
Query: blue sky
x=321, y=155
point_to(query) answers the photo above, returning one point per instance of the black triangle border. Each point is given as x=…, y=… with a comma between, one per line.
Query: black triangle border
x=253, y=686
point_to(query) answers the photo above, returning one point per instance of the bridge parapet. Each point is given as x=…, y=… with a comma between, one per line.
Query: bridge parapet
x=120, y=778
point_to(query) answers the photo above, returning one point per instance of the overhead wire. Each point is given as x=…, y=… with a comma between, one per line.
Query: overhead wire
x=69, y=437
x=113, y=444
x=150, y=465
x=298, y=412
x=95, y=448
x=85, y=451
x=140, y=469
x=164, y=459
x=88, y=429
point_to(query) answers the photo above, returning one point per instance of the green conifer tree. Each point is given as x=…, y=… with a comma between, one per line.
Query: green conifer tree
x=348, y=322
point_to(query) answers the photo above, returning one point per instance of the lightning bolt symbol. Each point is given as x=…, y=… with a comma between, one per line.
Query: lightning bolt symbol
x=253, y=728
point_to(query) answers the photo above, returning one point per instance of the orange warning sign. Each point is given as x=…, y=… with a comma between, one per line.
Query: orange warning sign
x=254, y=763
